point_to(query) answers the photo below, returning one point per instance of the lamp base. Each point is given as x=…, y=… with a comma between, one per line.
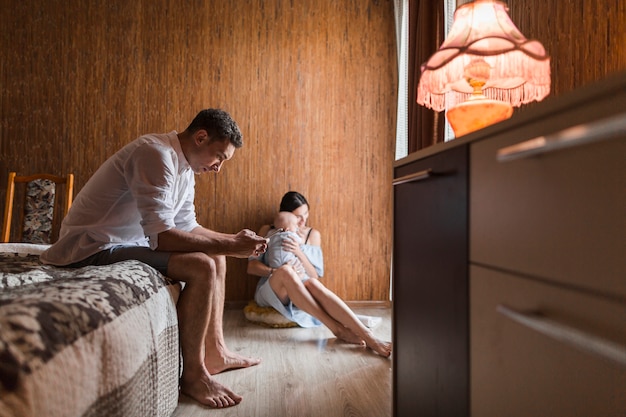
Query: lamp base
x=477, y=113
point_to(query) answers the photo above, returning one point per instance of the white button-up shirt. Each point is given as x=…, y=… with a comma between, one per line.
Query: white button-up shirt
x=146, y=188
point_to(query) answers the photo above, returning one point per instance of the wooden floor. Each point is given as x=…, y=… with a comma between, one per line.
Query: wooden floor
x=304, y=373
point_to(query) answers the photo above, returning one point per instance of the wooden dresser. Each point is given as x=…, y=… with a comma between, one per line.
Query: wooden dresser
x=509, y=270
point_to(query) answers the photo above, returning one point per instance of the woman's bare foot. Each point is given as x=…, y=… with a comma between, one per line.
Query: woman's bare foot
x=349, y=336
x=379, y=346
x=228, y=361
x=209, y=392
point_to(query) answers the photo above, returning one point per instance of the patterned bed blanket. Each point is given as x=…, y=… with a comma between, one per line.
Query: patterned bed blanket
x=93, y=341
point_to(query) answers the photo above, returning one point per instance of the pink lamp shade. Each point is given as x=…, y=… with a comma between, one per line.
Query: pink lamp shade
x=484, y=57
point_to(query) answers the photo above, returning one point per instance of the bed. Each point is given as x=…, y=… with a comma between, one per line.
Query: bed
x=92, y=341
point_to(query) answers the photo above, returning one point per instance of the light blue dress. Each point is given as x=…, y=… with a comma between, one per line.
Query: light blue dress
x=266, y=297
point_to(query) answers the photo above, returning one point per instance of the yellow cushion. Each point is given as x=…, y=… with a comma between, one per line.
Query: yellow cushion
x=266, y=316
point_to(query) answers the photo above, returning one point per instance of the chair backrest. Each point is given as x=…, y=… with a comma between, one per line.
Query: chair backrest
x=37, y=218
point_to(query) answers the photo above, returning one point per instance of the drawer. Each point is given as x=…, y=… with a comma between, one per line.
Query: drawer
x=559, y=216
x=517, y=371
x=430, y=287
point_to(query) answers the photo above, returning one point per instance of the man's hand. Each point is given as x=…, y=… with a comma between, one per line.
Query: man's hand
x=247, y=243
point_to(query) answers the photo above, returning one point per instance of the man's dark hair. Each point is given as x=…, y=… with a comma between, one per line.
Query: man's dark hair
x=219, y=126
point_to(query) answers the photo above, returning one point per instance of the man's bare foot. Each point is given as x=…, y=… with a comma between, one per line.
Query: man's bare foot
x=349, y=336
x=228, y=361
x=209, y=392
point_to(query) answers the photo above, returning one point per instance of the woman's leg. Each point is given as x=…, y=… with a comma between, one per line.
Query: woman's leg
x=339, y=311
x=287, y=285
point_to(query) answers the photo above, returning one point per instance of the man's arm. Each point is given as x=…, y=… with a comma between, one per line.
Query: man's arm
x=241, y=245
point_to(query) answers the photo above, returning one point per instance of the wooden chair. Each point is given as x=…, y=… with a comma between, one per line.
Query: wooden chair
x=37, y=219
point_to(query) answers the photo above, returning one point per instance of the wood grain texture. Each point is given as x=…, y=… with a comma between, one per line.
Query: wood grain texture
x=586, y=40
x=311, y=83
x=304, y=372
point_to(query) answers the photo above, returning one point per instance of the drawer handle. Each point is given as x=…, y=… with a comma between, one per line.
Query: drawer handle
x=416, y=176
x=574, y=136
x=569, y=335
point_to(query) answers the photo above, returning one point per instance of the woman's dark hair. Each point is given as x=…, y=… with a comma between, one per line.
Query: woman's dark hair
x=292, y=200
x=219, y=126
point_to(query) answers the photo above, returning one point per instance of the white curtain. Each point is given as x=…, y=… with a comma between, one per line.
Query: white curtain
x=449, y=8
x=401, y=8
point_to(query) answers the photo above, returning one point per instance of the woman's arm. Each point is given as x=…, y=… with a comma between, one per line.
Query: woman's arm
x=315, y=239
x=256, y=267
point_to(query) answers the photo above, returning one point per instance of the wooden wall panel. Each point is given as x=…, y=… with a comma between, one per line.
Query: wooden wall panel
x=586, y=40
x=312, y=84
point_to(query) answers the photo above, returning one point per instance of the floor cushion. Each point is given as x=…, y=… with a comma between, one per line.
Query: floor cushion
x=266, y=316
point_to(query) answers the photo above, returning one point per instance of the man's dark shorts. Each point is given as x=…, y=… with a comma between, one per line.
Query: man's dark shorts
x=155, y=259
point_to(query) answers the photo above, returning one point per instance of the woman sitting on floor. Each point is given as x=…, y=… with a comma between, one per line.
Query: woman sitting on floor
x=295, y=291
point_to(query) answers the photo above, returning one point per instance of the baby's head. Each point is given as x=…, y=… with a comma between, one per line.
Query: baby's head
x=287, y=221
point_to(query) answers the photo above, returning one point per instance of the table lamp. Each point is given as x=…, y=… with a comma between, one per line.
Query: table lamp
x=483, y=68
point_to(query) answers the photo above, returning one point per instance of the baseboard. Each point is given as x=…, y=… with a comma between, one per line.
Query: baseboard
x=369, y=304
x=237, y=305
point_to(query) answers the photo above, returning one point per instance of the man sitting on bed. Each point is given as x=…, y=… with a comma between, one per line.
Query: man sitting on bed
x=140, y=205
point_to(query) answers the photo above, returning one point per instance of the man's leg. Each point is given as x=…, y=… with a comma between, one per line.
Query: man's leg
x=200, y=315
x=218, y=358
x=196, y=306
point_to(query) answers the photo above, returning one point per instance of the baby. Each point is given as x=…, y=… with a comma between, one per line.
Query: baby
x=286, y=226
